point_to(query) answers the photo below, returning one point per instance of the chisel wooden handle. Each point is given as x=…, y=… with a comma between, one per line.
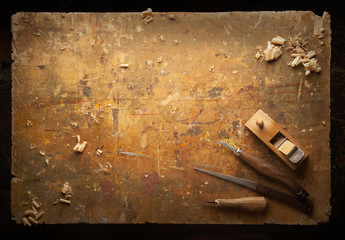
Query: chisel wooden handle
x=246, y=203
x=273, y=172
x=301, y=204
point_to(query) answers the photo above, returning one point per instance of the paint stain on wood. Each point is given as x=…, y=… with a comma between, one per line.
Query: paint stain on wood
x=87, y=91
x=194, y=131
x=149, y=182
x=215, y=92
x=107, y=189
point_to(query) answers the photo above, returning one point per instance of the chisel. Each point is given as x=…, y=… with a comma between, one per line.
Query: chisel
x=245, y=203
x=268, y=170
x=301, y=204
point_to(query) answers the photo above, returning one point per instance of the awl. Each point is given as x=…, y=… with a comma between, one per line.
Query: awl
x=301, y=204
x=268, y=170
x=245, y=203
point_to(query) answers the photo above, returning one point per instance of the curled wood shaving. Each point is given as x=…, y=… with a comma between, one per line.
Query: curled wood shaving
x=273, y=50
x=278, y=40
x=26, y=222
x=147, y=16
x=80, y=147
x=66, y=189
x=297, y=45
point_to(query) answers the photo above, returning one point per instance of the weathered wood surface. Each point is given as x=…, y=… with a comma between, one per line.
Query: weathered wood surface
x=166, y=115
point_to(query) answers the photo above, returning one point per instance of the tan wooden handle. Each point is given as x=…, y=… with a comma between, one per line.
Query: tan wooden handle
x=247, y=203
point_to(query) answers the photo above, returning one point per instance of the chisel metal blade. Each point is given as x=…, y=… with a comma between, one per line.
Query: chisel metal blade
x=227, y=145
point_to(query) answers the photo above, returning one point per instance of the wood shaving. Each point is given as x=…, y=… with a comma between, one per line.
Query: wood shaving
x=124, y=65
x=66, y=189
x=147, y=16
x=39, y=215
x=321, y=33
x=32, y=215
x=67, y=192
x=278, y=40
x=28, y=123
x=29, y=212
x=298, y=45
x=99, y=152
x=74, y=124
x=171, y=16
x=161, y=37
x=42, y=152
x=35, y=204
x=80, y=147
x=26, y=222
x=64, y=201
x=94, y=119
x=32, y=220
x=273, y=50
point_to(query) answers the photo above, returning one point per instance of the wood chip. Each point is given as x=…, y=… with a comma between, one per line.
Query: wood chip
x=66, y=189
x=124, y=65
x=99, y=152
x=171, y=16
x=26, y=222
x=29, y=212
x=80, y=147
x=272, y=52
x=161, y=37
x=35, y=204
x=39, y=215
x=279, y=40
x=65, y=201
x=32, y=220
x=147, y=16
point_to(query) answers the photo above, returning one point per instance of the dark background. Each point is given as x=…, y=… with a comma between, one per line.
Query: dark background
x=334, y=229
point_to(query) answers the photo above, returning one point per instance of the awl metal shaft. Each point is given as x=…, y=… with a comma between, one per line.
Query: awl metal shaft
x=268, y=170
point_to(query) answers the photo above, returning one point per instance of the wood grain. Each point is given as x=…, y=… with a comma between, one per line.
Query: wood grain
x=156, y=120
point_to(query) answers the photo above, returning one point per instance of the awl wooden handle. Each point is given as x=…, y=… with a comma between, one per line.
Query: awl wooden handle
x=247, y=203
x=273, y=172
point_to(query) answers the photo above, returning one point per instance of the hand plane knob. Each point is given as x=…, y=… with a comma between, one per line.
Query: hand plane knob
x=260, y=123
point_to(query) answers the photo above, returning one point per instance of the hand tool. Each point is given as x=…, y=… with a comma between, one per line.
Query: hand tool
x=268, y=170
x=301, y=204
x=246, y=203
x=277, y=139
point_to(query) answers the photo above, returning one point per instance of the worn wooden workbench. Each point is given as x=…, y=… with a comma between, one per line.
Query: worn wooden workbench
x=191, y=79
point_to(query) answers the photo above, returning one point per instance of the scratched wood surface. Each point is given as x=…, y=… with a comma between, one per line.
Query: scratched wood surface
x=191, y=80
